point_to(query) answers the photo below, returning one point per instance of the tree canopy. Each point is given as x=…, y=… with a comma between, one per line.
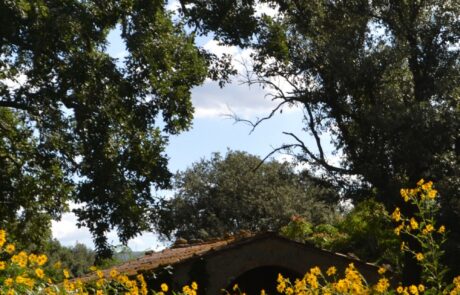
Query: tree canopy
x=78, y=125
x=381, y=77
x=227, y=194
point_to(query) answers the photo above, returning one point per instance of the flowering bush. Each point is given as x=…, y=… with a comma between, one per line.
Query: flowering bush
x=23, y=273
x=422, y=227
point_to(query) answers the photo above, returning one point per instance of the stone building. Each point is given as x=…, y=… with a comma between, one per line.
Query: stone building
x=251, y=261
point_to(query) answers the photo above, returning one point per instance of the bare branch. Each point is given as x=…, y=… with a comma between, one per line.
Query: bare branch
x=312, y=126
x=274, y=151
x=319, y=160
x=258, y=121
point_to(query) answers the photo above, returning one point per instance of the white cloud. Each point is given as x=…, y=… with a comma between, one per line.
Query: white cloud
x=238, y=97
x=264, y=8
x=16, y=82
x=69, y=234
x=173, y=5
x=250, y=102
x=215, y=47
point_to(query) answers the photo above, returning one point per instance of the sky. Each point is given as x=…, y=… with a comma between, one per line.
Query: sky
x=212, y=131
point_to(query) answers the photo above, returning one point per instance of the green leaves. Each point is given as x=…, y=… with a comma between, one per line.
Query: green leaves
x=226, y=194
x=95, y=131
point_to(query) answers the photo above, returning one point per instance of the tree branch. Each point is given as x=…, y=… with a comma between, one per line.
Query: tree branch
x=258, y=121
x=15, y=105
x=319, y=160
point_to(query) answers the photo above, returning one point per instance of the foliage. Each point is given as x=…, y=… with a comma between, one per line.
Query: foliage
x=224, y=195
x=22, y=273
x=369, y=234
x=355, y=66
x=79, y=125
x=422, y=227
x=364, y=232
x=381, y=77
x=76, y=259
x=29, y=273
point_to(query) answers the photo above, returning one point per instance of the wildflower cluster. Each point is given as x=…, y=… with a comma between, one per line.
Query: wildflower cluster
x=191, y=289
x=423, y=229
x=315, y=282
x=23, y=273
x=20, y=272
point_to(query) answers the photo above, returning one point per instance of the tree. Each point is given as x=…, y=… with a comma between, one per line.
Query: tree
x=78, y=125
x=224, y=195
x=365, y=232
x=77, y=259
x=382, y=77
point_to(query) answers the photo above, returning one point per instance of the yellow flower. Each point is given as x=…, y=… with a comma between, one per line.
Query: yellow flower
x=312, y=280
x=413, y=289
x=404, y=194
x=315, y=271
x=382, y=270
x=164, y=287
x=42, y=259
x=281, y=286
x=2, y=265
x=20, y=259
x=420, y=182
x=398, y=229
x=413, y=223
x=113, y=273
x=441, y=229
x=428, y=229
x=262, y=292
x=9, y=282
x=382, y=285
x=99, y=292
x=40, y=273
x=280, y=278
x=2, y=237
x=396, y=215
x=432, y=194
x=331, y=271
x=66, y=274
x=194, y=286
x=10, y=248
x=100, y=274
x=33, y=258
x=421, y=288
x=419, y=256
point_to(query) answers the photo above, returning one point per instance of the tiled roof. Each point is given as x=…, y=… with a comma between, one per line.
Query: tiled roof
x=172, y=255
x=184, y=252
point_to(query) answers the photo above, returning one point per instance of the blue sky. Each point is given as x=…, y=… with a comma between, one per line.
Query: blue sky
x=212, y=131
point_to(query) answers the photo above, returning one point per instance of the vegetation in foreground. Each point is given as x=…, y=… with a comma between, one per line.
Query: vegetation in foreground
x=24, y=273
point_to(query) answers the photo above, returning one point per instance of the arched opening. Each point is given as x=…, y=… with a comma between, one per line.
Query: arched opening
x=264, y=277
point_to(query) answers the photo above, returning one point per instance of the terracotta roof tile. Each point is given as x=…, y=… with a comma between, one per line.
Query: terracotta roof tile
x=183, y=252
x=172, y=255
